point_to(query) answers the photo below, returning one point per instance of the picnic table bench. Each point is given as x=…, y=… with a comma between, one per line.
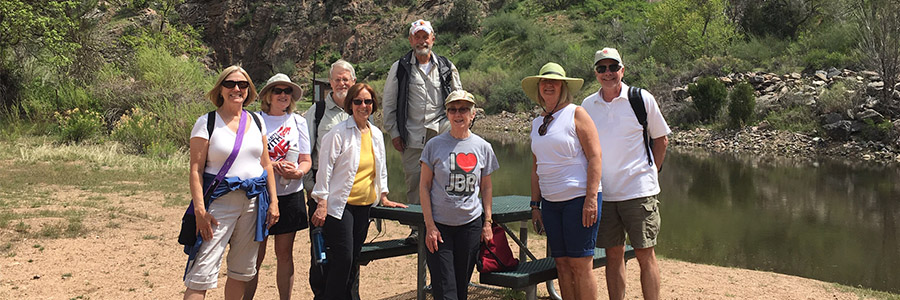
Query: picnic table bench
x=385, y=249
x=528, y=274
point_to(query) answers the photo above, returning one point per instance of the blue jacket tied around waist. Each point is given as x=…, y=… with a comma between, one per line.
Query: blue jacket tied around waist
x=254, y=187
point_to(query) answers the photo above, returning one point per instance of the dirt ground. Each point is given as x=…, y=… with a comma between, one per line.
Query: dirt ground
x=141, y=260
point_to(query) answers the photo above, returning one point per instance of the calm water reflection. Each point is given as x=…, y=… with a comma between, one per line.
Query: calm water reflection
x=830, y=222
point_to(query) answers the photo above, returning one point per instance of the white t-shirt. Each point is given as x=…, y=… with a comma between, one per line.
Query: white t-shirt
x=626, y=172
x=246, y=164
x=285, y=132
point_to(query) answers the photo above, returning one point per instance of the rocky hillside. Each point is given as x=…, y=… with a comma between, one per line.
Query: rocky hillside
x=270, y=35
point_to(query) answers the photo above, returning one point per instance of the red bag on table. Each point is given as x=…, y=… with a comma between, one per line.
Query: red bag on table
x=496, y=255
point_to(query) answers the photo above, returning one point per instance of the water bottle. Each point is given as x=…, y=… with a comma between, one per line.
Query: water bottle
x=292, y=155
x=318, y=246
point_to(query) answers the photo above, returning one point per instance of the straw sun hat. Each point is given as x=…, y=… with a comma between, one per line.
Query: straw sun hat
x=285, y=80
x=550, y=71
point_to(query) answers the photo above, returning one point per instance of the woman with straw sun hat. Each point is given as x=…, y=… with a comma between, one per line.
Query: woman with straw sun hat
x=565, y=178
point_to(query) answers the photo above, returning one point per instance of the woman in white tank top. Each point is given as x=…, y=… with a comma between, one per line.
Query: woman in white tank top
x=565, y=178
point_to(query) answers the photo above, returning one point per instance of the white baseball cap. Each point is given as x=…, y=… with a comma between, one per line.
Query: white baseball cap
x=607, y=53
x=420, y=25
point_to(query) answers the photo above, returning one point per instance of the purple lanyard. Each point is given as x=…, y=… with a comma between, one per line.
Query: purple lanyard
x=230, y=160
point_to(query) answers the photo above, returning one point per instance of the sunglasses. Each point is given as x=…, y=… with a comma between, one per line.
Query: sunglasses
x=461, y=110
x=361, y=101
x=543, y=129
x=612, y=68
x=230, y=84
x=287, y=90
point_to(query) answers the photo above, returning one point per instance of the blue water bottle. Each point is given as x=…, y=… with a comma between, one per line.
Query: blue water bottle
x=318, y=245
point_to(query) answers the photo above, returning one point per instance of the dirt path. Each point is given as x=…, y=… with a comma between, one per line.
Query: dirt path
x=139, y=259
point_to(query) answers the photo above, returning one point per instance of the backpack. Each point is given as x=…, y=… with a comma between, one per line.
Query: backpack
x=637, y=105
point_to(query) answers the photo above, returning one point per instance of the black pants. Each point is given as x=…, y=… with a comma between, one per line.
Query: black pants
x=452, y=264
x=317, y=272
x=344, y=239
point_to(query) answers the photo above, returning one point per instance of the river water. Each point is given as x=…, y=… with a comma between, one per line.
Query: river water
x=826, y=220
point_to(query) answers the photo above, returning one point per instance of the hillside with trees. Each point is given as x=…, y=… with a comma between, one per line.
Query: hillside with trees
x=134, y=71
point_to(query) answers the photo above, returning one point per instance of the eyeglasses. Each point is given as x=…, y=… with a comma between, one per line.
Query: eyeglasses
x=612, y=68
x=361, y=101
x=230, y=84
x=543, y=129
x=461, y=110
x=287, y=90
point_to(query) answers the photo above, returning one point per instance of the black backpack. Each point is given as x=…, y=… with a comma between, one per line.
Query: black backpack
x=637, y=104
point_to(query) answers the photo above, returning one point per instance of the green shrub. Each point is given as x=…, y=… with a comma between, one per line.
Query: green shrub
x=464, y=17
x=709, y=96
x=177, y=118
x=161, y=71
x=742, y=103
x=836, y=98
x=77, y=125
x=826, y=46
x=137, y=130
x=794, y=118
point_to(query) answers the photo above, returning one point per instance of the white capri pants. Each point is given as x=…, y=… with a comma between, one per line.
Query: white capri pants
x=237, y=226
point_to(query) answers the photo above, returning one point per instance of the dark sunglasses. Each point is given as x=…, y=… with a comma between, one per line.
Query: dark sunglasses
x=361, y=101
x=543, y=129
x=230, y=84
x=461, y=110
x=287, y=90
x=612, y=68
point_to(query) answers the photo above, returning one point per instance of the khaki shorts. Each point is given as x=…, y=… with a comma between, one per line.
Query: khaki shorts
x=639, y=218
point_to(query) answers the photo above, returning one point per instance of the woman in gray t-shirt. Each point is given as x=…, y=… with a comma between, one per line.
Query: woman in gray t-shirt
x=456, y=168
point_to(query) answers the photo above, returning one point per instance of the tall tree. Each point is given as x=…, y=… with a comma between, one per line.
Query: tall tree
x=879, y=35
x=688, y=29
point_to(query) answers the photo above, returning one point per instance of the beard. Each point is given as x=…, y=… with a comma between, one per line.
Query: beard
x=423, y=51
x=340, y=94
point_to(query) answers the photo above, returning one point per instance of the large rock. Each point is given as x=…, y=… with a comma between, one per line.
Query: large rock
x=756, y=80
x=870, y=114
x=821, y=75
x=868, y=73
x=831, y=118
x=840, y=130
x=873, y=88
x=831, y=72
x=680, y=93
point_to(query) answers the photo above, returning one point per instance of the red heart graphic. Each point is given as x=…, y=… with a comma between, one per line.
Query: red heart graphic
x=466, y=161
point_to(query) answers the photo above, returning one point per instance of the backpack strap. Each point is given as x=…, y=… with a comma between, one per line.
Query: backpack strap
x=210, y=123
x=320, y=112
x=258, y=123
x=637, y=104
x=446, y=74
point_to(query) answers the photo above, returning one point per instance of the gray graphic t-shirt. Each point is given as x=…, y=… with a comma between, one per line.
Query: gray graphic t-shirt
x=458, y=166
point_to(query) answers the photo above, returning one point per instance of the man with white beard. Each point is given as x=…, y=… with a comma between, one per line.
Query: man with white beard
x=341, y=78
x=414, y=94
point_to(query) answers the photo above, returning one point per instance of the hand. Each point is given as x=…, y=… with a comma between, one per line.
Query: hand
x=205, y=222
x=289, y=170
x=273, y=215
x=537, y=221
x=432, y=238
x=589, y=214
x=318, y=217
x=388, y=203
x=487, y=233
x=398, y=144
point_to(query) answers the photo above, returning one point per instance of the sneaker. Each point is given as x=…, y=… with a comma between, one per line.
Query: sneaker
x=413, y=237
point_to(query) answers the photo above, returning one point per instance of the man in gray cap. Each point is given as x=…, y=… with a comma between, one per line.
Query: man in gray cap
x=414, y=94
x=632, y=134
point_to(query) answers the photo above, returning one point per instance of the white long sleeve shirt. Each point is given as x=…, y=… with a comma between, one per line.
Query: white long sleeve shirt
x=339, y=161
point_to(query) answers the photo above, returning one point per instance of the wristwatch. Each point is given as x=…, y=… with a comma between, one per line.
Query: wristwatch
x=488, y=220
x=535, y=205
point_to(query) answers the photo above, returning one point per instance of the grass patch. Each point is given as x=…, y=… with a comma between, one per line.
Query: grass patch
x=864, y=293
x=174, y=200
x=794, y=119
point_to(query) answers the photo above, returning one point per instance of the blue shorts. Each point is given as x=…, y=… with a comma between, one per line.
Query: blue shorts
x=565, y=234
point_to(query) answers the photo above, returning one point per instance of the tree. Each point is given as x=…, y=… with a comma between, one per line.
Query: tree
x=689, y=29
x=38, y=29
x=709, y=95
x=741, y=105
x=755, y=16
x=879, y=36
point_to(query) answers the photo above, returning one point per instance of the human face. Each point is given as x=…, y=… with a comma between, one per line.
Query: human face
x=235, y=94
x=421, y=42
x=361, y=112
x=279, y=102
x=550, y=90
x=460, y=114
x=341, y=80
x=608, y=79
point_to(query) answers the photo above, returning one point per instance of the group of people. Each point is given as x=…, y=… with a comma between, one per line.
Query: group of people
x=333, y=159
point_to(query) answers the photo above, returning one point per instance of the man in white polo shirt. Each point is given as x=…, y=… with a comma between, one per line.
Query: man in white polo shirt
x=630, y=172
